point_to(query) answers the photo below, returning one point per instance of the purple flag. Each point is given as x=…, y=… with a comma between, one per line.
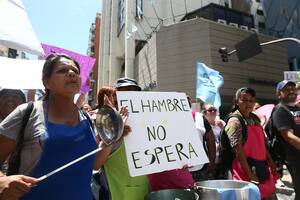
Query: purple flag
x=86, y=63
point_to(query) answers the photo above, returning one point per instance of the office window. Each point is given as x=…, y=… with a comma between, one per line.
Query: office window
x=12, y=53
x=121, y=15
x=139, y=9
x=23, y=55
x=219, y=13
x=260, y=12
x=226, y=3
x=248, y=21
x=261, y=25
x=233, y=17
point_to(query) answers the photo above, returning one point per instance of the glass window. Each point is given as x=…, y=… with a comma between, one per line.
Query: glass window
x=219, y=13
x=260, y=12
x=121, y=15
x=261, y=25
x=248, y=21
x=139, y=9
x=233, y=17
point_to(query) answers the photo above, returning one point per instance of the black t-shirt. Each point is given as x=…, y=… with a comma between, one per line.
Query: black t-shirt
x=287, y=117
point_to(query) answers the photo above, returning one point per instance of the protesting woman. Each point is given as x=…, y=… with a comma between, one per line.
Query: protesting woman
x=57, y=132
x=252, y=162
x=121, y=185
x=210, y=113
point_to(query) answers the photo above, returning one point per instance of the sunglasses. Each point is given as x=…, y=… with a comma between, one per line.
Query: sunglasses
x=211, y=110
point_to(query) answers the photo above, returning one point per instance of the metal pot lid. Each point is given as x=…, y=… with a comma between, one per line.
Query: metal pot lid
x=109, y=124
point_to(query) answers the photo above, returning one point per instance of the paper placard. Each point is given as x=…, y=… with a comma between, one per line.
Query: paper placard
x=21, y=74
x=292, y=76
x=163, y=134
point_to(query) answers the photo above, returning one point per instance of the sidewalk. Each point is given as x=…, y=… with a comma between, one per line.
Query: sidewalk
x=285, y=191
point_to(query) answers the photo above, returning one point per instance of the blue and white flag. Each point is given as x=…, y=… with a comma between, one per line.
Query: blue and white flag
x=208, y=83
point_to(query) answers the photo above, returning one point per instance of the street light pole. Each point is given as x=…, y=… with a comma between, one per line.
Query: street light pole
x=224, y=53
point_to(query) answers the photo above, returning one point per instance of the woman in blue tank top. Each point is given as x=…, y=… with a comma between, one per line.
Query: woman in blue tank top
x=67, y=135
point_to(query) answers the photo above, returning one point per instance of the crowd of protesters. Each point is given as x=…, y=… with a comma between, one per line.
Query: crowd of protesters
x=57, y=131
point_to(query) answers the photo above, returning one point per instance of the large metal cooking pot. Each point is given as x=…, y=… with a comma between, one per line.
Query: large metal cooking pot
x=109, y=124
x=227, y=189
x=171, y=194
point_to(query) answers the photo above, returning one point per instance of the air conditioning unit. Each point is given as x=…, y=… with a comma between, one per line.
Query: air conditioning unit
x=254, y=30
x=222, y=21
x=244, y=27
x=234, y=25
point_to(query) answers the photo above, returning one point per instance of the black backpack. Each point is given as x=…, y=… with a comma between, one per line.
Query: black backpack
x=227, y=153
x=273, y=142
x=15, y=158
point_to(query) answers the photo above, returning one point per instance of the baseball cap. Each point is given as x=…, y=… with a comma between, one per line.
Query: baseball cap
x=283, y=83
x=124, y=82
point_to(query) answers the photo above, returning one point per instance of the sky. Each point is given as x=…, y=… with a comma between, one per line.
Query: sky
x=63, y=23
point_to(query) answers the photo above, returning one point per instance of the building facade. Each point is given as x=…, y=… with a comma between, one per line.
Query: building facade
x=168, y=61
x=253, y=7
x=126, y=25
x=12, y=53
x=282, y=20
x=159, y=43
x=94, y=51
x=3, y=51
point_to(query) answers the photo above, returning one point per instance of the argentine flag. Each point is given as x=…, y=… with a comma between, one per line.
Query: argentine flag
x=208, y=83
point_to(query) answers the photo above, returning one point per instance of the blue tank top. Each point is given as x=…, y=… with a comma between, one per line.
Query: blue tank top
x=62, y=145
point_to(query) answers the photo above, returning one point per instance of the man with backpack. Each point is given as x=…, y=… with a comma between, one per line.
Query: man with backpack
x=285, y=126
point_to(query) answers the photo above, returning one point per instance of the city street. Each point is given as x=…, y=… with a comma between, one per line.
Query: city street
x=149, y=99
x=285, y=192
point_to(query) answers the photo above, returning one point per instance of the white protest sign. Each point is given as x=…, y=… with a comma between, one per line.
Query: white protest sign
x=21, y=73
x=163, y=134
x=16, y=31
x=292, y=76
